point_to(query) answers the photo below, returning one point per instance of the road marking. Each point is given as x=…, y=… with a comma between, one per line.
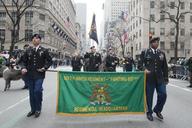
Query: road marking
x=185, y=89
x=19, y=102
x=12, y=106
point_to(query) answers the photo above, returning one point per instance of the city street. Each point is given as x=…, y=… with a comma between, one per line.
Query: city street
x=14, y=105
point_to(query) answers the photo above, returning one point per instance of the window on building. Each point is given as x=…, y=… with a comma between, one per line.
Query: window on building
x=2, y=33
x=28, y=2
x=172, y=5
x=152, y=17
x=2, y=23
x=190, y=6
x=139, y=45
x=182, y=5
x=172, y=45
x=152, y=30
x=28, y=18
x=182, y=32
x=14, y=16
x=172, y=31
x=140, y=33
x=140, y=20
x=42, y=33
x=2, y=15
x=162, y=18
x=191, y=19
x=28, y=34
x=191, y=32
x=162, y=4
x=162, y=31
x=42, y=17
x=172, y=16
x=182, y=45
x=182, y=19
x=2, y=18
x=162, y=45
x=16, y=47
x=136, y=35
x=152, y=4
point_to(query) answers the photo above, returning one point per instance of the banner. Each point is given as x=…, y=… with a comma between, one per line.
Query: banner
x=93, y=31
x=100, y=93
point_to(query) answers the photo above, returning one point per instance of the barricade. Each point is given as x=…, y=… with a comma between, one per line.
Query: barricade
x=178, y=71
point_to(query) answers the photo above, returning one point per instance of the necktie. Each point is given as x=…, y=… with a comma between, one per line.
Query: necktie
x=155, y=51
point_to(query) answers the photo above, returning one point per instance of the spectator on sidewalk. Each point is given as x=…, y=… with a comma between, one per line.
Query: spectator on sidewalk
x=189, y=64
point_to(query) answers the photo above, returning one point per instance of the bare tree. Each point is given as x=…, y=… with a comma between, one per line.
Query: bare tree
x=179, y=14
x=15, y=14
x=118, y=29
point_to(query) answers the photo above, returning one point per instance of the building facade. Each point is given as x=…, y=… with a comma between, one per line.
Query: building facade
x=81, y=17
x=113, y=10
x=141, y=17
x=54, y=20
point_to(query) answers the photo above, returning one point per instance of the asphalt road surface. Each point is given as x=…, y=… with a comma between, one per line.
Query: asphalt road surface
x=14, y=105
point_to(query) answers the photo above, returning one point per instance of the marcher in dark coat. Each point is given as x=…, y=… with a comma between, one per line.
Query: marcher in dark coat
x=111, y=61
x=189, y=64
x=94, y=60
x=35, y=63
x=155, y=66
x=129, y=63
x=76, y=62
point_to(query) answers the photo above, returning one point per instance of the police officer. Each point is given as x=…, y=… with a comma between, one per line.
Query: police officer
x=76, y=62
x=155, y=66
x=36, y=61
x=111, y=61
x=189, y=64
x=94, y=60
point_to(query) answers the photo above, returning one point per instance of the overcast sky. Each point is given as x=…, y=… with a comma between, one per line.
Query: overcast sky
x=93, y=6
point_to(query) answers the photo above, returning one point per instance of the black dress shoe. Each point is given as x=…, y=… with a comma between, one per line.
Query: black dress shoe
x=37, y=114
x=30, y=114
x=149, y=117
x=159, y=115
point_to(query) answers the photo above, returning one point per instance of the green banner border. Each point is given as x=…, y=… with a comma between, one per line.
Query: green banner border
x=99, y=114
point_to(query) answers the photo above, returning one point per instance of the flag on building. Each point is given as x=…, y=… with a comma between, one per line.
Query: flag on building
x=67, y=22
x=93, y=31
x=124, y=37
x=124, y=15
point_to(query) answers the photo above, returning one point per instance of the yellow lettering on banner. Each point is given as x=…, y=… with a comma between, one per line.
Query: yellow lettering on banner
x=101, y=79
x=85, y=109
x=100, y=109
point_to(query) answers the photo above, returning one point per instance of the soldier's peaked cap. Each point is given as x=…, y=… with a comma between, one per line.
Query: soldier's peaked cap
x=154, y=39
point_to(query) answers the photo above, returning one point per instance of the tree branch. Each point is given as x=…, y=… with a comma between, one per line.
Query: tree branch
x=22, y=12
x=7, y=11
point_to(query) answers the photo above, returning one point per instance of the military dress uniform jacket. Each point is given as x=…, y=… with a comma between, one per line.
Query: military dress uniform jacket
x=94, y=61
x=111, y=62
x=77, y=63
x=157, y=65
x=129, y=62
x=34, y=60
